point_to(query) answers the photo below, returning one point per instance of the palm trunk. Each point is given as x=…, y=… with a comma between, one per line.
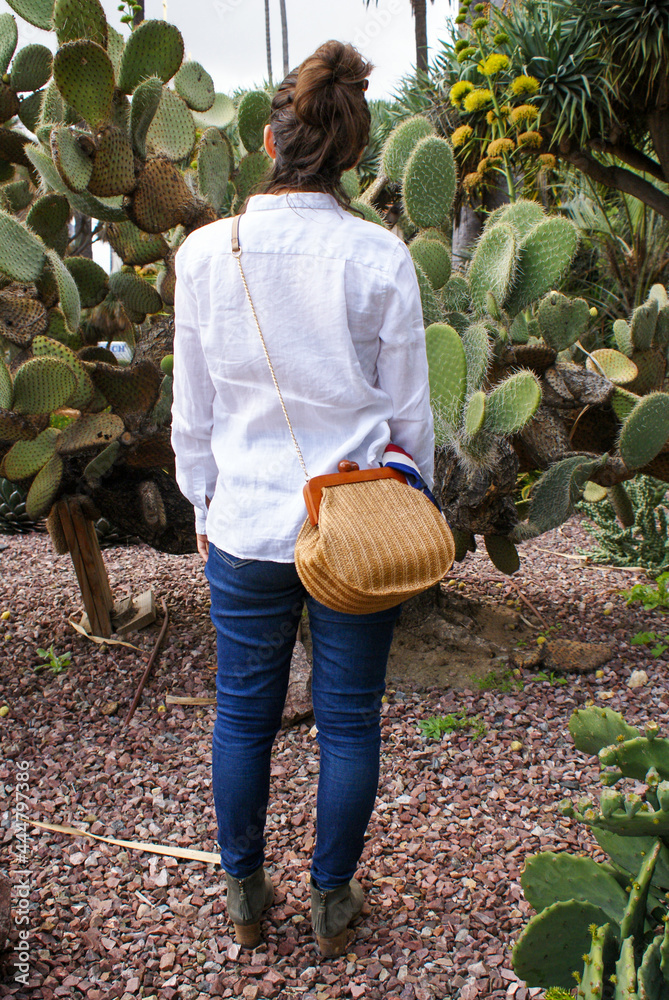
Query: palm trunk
x=268, y=43
x=419, y=8
x=284, y=37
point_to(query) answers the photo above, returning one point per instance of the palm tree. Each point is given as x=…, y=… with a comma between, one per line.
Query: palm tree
x=419, y=10
x=268, y=41
x=284, y=36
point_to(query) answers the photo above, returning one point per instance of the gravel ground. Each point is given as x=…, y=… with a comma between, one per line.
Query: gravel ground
x=454, y=821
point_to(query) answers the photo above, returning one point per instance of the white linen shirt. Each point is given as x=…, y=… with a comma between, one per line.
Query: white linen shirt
x=339, y=306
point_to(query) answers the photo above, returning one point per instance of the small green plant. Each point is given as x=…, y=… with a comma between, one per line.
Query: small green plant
x=647, y=639
x=435, y=727
x=547, y=632
x=551, y=678
x=505, y=683
x=652, y=598
x=642, y=544
x=56, y=663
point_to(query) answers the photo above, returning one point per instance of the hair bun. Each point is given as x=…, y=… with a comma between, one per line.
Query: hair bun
x=321, y=77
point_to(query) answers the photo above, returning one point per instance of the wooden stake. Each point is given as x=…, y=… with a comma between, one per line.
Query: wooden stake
x=88, y=565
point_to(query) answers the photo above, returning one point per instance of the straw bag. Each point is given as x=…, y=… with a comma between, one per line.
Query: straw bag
x=370, y=541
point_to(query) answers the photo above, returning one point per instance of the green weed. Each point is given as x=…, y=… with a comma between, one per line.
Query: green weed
x=551, y=678
x=647, y=639
x=506, y=682
x=54, y=662
x=652, y=598
x=435, y=727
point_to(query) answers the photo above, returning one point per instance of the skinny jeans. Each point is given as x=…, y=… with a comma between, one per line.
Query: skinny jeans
x=256, y=608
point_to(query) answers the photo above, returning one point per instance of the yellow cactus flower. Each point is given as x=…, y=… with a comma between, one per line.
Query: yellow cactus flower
x=472, y=180
x=524, y=85
x=493, y=117
x=489, y=163
x=458, y=91
x=500, y=146
x=494, y=64
x=461, y=135
x=531, y=139
x=524, y=113
x=476, y=100
x=547, y=161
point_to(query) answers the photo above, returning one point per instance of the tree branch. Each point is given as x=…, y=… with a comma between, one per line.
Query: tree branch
x=618, y=178
x=635, y=158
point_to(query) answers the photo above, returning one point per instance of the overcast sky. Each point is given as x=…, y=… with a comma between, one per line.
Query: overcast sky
x=228, y=36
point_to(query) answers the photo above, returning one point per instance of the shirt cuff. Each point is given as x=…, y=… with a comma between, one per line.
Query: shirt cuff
x=200, y=522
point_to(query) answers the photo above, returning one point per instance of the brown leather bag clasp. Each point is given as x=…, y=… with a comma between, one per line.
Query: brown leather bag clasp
x=349, y=472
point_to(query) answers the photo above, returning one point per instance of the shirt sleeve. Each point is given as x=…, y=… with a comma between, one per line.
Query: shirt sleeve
x=402, y=366
x=193, y=404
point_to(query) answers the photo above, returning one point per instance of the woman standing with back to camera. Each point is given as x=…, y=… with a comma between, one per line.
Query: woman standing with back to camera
x=338, y=303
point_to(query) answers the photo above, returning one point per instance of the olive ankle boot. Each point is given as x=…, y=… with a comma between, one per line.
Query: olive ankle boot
x=247, y=900
x=332, y=912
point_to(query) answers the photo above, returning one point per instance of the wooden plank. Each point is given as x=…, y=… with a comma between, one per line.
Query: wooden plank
x=79, y=567
x=98, y=583
x=100, y=565
x=142, y=612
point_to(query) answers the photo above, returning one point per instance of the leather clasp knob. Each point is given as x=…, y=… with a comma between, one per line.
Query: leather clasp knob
x=347, y=466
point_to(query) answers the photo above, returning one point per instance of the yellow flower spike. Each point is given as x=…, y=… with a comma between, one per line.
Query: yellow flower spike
x=472, y=180
x=548, y=161
x=476, y=100
x=531, y=139
x=459, y=90
x=494, y=64
x=461, y=135
x=500, y=146
x=524, y=85
x=523, y=113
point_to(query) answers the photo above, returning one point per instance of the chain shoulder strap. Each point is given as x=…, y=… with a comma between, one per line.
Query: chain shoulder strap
x=237, y=254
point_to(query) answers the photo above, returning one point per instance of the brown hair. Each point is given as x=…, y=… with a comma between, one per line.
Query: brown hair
x=320, y=122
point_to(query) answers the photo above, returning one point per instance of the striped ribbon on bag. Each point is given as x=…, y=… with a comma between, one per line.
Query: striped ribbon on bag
x=398, y=458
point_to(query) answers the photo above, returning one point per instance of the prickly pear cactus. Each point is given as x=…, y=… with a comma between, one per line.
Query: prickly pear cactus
x=620, y=948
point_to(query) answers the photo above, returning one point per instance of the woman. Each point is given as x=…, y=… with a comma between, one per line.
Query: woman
x=338, y=304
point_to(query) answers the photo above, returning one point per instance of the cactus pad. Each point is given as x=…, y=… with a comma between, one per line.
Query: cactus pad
x=107, y=210
x=455, y=294
x=194, y=84
x=429, y=182
x=48, y=347
x=548, y=878
x=512, y=403
x=44, y=488
x=521, y=214
x=91, y=280
x=401, y=143
x=618, y=368
x=368, y=212
x=134, y=292
x=434, y=258
x=474, y=414
x=214, y=162
x=552, y=945
x=166, y=281
x=14, y=427
x=93, y=430
x=448, y=373
x=25, y=458
x=634, y=757
x=71, y=151
x=129, y=390
x=554, y=495
x=503, y=554
x=252, y=170
x=155, y=48
x=252, y=116
x=37, y=12
x=594, y=728
x=562, y=321
x=29, y=110
x=22, y=317
x=544, y=256
x=113, y=165
x=623, y=337
x=145, y=101
x=31, y=68
x=219, y=115
x=9, y=103
x=351, y=183
x=6, y=386
x=85, y=78
x=42, y=385
x=642, y=325
x=428, y=298
x=493, y=266
x=645, y=431
x=651, y=367
x=21, y=253
x=162, y=197
x=172, y=129
x=477, y=353
x=9, y=36
x=134, y=246
x=632, y=924
x=68, y=294
x=74, y=19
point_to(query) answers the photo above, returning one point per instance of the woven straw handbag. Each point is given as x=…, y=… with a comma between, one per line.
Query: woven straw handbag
x=370, y=541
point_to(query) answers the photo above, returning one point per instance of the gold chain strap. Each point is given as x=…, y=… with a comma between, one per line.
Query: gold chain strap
x=238, y=254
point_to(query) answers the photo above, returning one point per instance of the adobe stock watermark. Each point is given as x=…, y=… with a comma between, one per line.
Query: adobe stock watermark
x=223, y=7
x=377, y=21
x=21, y=882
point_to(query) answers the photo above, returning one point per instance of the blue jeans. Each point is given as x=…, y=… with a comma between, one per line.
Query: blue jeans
x=256, y=607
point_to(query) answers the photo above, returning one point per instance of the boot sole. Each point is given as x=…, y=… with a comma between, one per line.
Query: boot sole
x=247, y=935
x=333, y=947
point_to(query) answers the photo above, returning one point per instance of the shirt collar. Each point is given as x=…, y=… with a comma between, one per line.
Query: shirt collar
x=294, y=199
